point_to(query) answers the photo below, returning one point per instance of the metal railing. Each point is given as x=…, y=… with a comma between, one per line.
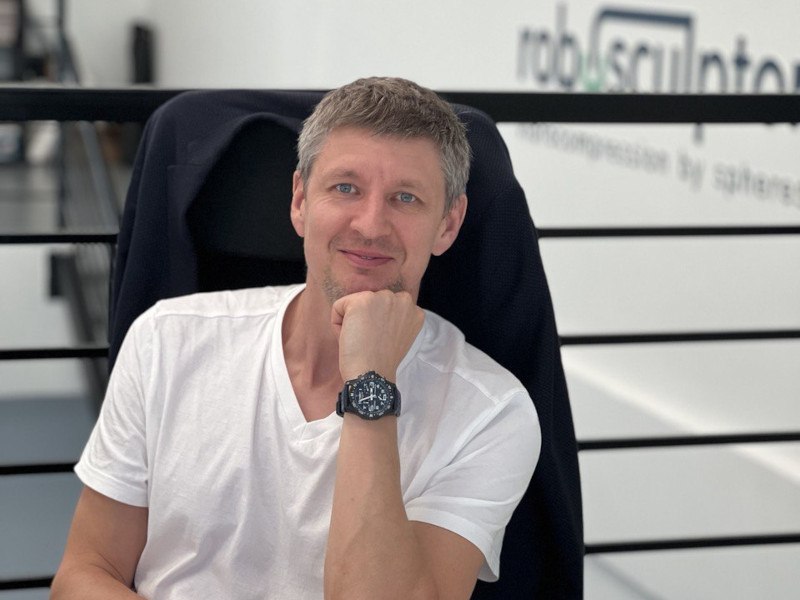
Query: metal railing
x=121, y=105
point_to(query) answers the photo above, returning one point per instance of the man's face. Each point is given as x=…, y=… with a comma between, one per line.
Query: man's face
x=372, y=213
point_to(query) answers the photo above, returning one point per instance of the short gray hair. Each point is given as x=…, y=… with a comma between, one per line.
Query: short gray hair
x=393, y=107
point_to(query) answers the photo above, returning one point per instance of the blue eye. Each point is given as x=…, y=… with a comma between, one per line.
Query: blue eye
x=406, y=198
x=345, y=188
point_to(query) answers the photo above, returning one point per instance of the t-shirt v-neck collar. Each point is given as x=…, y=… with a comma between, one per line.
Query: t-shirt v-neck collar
x=290, y=407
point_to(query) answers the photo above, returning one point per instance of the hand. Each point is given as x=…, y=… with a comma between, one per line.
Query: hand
x=375, y=331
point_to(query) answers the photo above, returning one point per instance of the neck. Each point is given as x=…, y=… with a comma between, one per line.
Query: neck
x=310, y=346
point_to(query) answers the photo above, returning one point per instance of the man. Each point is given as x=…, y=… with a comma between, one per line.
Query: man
x=253, y=443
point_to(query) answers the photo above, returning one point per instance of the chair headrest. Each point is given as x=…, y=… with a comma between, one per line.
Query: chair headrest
x=243, y=207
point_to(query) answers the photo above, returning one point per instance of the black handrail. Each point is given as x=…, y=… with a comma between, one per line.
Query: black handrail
x=594, y=548
x=26, y=584
x=688, y=543
x=687, y=440
x=589, y=549
x=62, y=237
x=526, y=107
x=675, y=231
x=83, y=351
x=110, y=237
x=36, y=469
x=137, y=104
x=689, y=336
x=101, y=351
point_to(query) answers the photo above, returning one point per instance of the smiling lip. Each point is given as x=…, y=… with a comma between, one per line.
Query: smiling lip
x=365, y=259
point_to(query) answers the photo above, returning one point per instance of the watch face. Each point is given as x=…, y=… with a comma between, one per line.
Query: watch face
x=372, y=398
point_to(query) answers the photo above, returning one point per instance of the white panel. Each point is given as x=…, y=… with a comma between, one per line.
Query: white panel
x=695, y=387
x=743, y=573
x=683, y=492
x=674, y=284
x=657, y=175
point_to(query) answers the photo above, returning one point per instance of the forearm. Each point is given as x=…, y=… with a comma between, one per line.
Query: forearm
x=372, y=550
x=89, y=582
x=102, y=551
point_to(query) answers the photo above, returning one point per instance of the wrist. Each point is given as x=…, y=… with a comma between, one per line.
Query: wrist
x=369, y=396
x=354, y=372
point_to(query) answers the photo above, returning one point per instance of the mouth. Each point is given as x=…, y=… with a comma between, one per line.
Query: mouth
x=366, y=258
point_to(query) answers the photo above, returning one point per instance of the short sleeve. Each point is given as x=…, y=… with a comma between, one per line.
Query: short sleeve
x=114, y=461
x=477, y=492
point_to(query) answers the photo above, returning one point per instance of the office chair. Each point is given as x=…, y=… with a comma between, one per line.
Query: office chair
x=208, y=209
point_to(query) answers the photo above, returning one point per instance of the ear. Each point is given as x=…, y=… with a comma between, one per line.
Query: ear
x=450, y=226
x=298, y=208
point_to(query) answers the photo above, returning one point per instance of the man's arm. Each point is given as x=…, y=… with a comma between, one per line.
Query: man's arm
x=373, y=550
x=103, y=549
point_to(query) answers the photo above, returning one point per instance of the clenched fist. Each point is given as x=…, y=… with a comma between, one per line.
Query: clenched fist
x=375, y=330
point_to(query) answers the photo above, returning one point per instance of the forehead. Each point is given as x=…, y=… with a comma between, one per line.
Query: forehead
x=361, y=152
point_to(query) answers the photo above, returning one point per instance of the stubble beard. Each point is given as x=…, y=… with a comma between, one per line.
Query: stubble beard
x=334, y=289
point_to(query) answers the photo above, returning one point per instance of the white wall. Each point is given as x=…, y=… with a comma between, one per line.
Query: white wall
x=317, y=44
x=102, y=38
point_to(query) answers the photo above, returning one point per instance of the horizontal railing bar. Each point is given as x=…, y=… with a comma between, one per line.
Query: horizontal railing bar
x=136, y=104
x=689, y=543
x=101, y=351
x=595, y=232
x=86, y=351
x=598, y=548
x=529, y=107
x=601, y=548
x=545, y=232
x=25, y=584
x=687, y=440
x=651, y=338
x=72, y=237
x=80, y=104
x=36, y=469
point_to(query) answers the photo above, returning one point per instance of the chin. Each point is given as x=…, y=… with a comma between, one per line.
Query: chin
x=335, y=289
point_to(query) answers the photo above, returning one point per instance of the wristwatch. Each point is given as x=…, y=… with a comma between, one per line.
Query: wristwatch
x=370, y=396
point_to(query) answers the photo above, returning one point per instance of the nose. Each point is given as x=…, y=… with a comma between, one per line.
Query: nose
x=371, y=217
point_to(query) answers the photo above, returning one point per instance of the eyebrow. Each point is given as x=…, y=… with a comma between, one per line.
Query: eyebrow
x=346, y=173
x=410, y=183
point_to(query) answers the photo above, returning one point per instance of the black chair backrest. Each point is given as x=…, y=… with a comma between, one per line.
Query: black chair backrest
x=240, y=220
x=208, y=209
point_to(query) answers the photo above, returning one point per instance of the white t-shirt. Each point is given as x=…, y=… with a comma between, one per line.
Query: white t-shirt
x=201, y=425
